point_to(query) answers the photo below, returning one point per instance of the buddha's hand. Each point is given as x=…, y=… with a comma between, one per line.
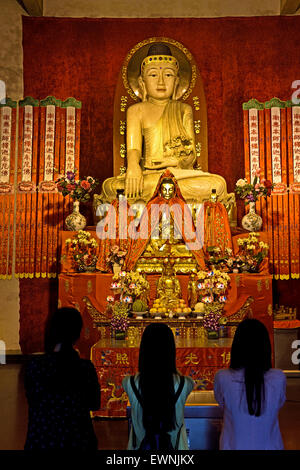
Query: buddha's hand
x=134, y=182
x=186, y=161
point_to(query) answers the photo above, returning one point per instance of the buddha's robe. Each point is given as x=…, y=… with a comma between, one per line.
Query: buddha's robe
x=169, y=137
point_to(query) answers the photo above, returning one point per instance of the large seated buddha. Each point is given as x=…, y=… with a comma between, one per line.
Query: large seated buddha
x=159, y=135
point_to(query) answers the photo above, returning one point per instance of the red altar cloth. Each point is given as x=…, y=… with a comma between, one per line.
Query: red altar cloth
x=96, y=286
x=200, y=359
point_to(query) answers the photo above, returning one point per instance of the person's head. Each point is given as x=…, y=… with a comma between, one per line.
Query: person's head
x=157, y=349
x=63, y=327
x=159, y=73
x=251, y=351
x=251, y=346
x=157, y=364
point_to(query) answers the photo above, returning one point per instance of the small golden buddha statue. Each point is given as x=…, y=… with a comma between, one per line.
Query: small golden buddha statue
x=193, y=290
x=168, y=286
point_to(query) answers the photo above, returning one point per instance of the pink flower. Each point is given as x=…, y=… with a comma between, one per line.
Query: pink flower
x=257, y=172
x=85, y=185
x=71, y=187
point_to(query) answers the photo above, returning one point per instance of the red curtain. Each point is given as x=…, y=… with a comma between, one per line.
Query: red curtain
x=238, y=58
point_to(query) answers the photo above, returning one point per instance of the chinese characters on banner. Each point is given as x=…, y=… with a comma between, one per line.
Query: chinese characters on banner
x=254, y=142
x=48, y=144
x=7, y=173
x=272, y=143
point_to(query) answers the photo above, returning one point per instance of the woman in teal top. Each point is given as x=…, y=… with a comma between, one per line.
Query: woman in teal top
x=157, y=383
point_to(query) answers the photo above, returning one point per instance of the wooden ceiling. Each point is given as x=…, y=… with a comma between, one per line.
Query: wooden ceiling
x=35, y=7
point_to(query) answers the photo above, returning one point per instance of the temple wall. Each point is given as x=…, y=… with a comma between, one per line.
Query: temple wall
x=11, y=51
x=11, y=73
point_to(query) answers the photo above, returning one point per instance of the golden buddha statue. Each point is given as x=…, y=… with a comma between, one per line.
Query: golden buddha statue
x=193, y=290
x=168, y=286
x=159, y=135
x=168, y=242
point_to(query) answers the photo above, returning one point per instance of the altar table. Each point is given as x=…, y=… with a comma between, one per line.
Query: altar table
x=75, y=289
x=114, y=359
x=195, y=357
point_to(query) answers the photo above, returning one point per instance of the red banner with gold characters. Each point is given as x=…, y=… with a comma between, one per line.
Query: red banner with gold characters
x=7, y=192
x=275, y=127
x=31, y=210
x=26, y=182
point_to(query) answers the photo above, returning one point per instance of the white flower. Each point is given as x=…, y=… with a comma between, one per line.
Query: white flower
x=241, y=182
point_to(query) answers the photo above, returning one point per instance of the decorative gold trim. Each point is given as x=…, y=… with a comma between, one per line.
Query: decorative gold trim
x=94, y=313
x=197, y=126
x=192, y=83
x=122, y=150
x=270, y=310
x=154, y=59
x=123, y=103
x=122, y=127
x=196, y=102
x=198, y=150
x=243, y=312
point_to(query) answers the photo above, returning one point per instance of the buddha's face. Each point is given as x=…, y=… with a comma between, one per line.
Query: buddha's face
x=167, y=190
x=160, y=80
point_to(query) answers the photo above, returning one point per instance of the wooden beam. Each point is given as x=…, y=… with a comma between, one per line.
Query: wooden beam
x=289, y=7
x=32, y=7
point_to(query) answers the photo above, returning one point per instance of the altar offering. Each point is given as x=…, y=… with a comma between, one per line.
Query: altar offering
x=139, y=309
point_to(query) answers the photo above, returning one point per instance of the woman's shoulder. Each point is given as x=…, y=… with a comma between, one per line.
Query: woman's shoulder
x=188, y=380
x=275, y=375
x=86, y=364
x=224, y=374
x=127, y=378
x=39, y=360
x=188, y=383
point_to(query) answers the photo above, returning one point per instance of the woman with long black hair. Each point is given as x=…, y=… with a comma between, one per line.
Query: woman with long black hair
x=61, y=389
x=158, y=393
x=251, y=392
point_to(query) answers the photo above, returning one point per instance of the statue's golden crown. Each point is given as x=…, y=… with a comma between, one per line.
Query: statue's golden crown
x=156, y=59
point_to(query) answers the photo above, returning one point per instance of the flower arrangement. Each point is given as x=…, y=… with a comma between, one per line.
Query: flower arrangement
x=79, y=190
x=119, y=319
x=252, y=252
x=134, y=284
x=213, y=285
x=217, y=258
x=83, y=250
x=251, y=192
x=212, y=288
x=116, y=256
x=211, y=321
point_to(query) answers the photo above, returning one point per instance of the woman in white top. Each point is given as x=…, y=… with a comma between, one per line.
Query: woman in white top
x=251, y=392
x=157, y=385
